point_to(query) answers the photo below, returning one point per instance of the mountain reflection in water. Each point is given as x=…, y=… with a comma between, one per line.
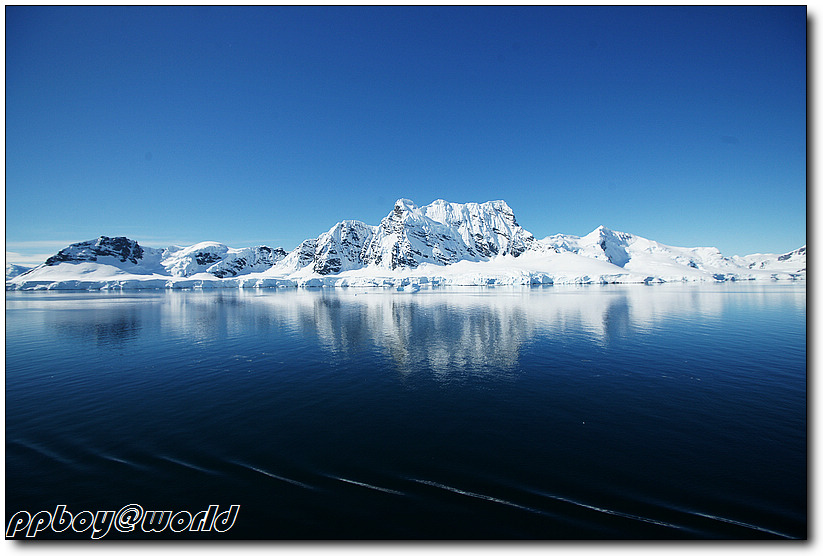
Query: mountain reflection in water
x=447, y=332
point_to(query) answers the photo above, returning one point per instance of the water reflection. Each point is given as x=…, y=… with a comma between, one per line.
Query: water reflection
x=100, y=320
x=114, y=330
x=446, y=331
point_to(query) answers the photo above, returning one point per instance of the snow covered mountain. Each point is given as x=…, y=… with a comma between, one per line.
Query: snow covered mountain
x=107, y=257
x=637, y=254
x=219, y=260
x=489, y=229
x=795, y=259
x=339, y=249
x=440, y=243
x=441, y=233
x=106, y=249
x=13, y=270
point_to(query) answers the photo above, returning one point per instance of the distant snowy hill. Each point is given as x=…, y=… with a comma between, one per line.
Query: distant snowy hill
x=219, y=260
x=637, y=254
x=440, y=243
x=793, y=260
x=13, y=270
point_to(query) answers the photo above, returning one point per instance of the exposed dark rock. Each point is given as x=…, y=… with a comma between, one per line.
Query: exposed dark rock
x=330, y=265
x=206, y=258
x=305, y=252
x=787, y=256
x=257, y=258
x=123, y=248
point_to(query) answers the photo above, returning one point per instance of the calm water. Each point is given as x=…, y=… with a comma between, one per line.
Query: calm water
x=671, y=411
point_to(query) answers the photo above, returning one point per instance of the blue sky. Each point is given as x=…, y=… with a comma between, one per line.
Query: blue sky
x=267, y=125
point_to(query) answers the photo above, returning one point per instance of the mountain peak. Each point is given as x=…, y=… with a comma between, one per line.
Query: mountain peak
x=123, y=248
x=404, y=205
x=602, y=230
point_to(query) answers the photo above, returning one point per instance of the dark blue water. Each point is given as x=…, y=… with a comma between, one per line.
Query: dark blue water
x=600, y=412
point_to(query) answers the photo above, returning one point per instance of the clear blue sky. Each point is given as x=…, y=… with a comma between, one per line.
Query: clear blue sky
x=267, y=125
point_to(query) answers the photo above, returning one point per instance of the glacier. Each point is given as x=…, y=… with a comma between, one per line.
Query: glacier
x=440, y=244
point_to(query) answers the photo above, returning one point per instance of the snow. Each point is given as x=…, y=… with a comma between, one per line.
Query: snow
x=440, y=244
x=13, y=270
